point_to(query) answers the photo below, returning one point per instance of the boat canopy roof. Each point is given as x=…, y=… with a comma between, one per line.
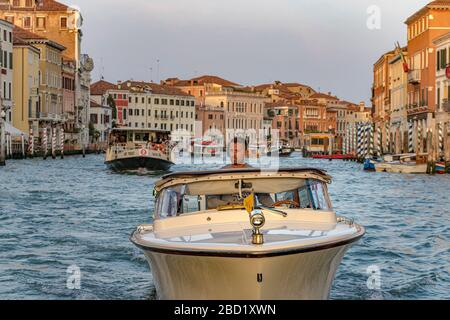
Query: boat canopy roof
x=224, y=180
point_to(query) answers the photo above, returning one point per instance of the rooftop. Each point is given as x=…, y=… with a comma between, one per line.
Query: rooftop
x=43, y=5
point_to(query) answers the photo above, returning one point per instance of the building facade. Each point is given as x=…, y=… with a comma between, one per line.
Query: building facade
x=60, y=24
x=424, y=26
x=243, y=108
x=6, y=69
x=26, y=84
x=100, y=121
x=398, y=95
x=48, y=113
x=442, y=116
x=381, y=98
x=160, y=107
x=285, y=118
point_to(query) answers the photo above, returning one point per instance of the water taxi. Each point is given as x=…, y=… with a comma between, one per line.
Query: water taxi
x=133, y=149
x=245, y=234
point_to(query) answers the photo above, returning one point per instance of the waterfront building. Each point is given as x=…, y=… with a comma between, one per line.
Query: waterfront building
x=68, y=93
x=48, y=113
x=100, y=122
x=423, y=27
x=317, y=131
x=356, y=116
x=160, y=107
x=442, y=117
x=398, y=93
x=340, y=109
x=284, y=117
x=6, y=69
x=243, y=107
x=210, y=116
x=60, y=24
x=102, y=90
x=26, y=84
x=381, y=100
x=279, y=91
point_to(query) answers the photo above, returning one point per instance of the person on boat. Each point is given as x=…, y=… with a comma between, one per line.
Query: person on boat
x=237, y=155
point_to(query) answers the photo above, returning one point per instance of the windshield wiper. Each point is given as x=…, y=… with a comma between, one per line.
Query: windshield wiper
x=284, y=214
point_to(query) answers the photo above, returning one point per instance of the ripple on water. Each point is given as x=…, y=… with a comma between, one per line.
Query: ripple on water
x=54, y=214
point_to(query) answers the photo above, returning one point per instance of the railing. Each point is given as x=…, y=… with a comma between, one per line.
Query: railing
x=414, y=76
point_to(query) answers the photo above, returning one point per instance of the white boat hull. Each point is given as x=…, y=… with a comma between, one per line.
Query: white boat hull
x=401, y=168
x=301, y=276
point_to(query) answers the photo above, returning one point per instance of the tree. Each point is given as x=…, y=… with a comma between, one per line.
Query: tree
x=112, y=104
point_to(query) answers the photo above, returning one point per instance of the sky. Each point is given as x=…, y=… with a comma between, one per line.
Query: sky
x=326, y=44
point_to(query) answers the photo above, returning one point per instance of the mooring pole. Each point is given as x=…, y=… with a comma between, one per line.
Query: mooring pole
x=2, y=141
x=54, y=143
x=61, y=142
x=44, y=143
x=31, y=144
x=23, y=146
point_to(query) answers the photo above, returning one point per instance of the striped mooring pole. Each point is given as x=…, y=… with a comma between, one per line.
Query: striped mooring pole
x=371, y=147
x=359, y=138
x=388, y=138
x=53, y=143
x=419, y=136
x=354, y=141
x=61, y=142
x=45, y=143
x=344, y=142
x=440, y=139
x=379, y=151
x=367, y=140
x=410, y=137
x=31, y=143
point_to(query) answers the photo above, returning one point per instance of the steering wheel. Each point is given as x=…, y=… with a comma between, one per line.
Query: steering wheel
x=291, y=202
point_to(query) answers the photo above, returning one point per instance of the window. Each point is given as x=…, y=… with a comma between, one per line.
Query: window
x=27, y=22
x=94, y=118
x=156, y=101
x=10, y=19
x=63, y=23
x=40, y=23
x=130, y=112
x=28, y=3
x=16, y=3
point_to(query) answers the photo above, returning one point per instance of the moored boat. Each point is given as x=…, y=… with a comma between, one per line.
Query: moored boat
x=440, y=167
x=134, y=149
x=243, y=234
x=408, y=164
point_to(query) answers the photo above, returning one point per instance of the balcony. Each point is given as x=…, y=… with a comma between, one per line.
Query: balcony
x=45, y=116
x=414, y=76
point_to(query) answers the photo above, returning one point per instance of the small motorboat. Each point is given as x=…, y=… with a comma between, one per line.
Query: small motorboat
x=134, y=149
x=440, y=167
x=408, y=164
x=285, y=151
x=245, y=234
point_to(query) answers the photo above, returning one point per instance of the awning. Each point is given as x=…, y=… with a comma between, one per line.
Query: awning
x=14, y=132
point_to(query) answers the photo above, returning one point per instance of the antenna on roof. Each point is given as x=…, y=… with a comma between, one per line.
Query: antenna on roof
x=102, y=69
x=157, y=71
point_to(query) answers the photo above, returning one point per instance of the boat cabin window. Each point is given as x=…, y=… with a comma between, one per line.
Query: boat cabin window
x=175, y=201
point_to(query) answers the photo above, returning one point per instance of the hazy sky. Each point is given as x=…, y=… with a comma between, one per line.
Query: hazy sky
x=323, y=43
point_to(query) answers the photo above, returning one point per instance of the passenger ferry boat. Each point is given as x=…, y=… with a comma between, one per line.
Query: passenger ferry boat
x=132, y=149
x=243, y=234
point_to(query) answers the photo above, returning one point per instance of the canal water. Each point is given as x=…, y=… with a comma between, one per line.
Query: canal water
x=74, y=212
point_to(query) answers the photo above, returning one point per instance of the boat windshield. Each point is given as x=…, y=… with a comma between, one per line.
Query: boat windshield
x=176, y=201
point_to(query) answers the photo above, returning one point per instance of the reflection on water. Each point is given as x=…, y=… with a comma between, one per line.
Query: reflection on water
x=58, y=213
